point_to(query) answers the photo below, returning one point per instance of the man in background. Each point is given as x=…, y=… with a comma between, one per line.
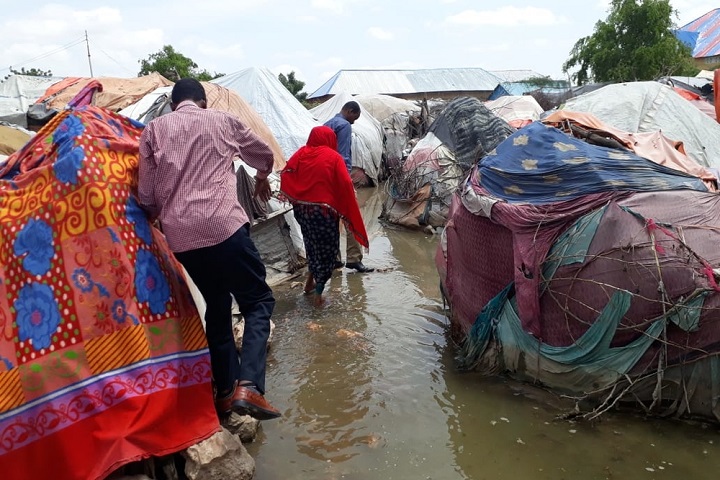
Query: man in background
x=186, y=181
x=341, y=124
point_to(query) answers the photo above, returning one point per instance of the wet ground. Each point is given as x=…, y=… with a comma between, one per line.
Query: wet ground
x=368, y=390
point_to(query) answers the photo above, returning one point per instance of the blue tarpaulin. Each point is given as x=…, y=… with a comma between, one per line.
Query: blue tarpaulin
x=540, y=164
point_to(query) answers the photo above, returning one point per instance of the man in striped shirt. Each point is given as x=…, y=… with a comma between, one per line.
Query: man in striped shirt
x=187, y=182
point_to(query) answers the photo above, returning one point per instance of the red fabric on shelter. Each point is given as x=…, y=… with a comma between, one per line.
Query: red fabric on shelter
x=90, y=449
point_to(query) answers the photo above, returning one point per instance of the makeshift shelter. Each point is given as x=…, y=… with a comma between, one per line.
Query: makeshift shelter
x=288, y=120
x=703, y=38
x=103, y=358
x=12, y=138
x=419, y=193
x=588, y=270
x=397, y=117
x=18, y=92
x=651, y=106
x=517, y=111
x=116, y=94
x=367, y=140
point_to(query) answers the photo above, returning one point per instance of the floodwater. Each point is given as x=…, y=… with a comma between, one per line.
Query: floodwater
x=368, y=390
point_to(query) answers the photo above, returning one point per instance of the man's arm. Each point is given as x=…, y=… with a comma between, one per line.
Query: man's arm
x=146, y=174
x=344, y=140
x=256, y=153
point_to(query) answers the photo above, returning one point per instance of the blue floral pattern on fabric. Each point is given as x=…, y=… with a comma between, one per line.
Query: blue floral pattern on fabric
x=38, y=315
x=68, y=164
x=70, y=157
x=36, y=240
x=83, y=280
x=137, y=217
x=150, y=283
x=68, y=130
x=120, y=313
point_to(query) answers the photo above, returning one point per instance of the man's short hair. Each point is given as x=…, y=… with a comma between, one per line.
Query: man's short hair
x=352, y=107
x=187, y=89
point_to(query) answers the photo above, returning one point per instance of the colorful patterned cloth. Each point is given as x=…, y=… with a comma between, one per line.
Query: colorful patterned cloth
x=103, y=358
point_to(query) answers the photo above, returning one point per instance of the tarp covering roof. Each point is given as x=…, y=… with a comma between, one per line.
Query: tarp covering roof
x=289, y=121
x=540, y=164
x=651, y=106
x=18, y=92
x=702, y=35
x=117, y=93
x=383, y=106
x=516, y=110
x=390, y=82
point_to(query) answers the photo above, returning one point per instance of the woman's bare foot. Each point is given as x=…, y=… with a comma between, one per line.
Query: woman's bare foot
x=309, y=284
x=318, y=300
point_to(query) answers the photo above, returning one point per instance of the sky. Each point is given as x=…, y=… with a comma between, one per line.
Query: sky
x=313, y=38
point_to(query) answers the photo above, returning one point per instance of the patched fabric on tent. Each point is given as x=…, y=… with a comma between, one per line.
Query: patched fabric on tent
x=629, y=302
x=540, y=164
x=103, y=358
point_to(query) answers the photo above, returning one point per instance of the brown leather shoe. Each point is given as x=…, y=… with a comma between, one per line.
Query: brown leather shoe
x=246, y=401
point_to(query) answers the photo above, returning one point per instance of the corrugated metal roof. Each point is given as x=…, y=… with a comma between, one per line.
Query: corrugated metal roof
x=515, y=75
x=702, y=35
x=366, y=82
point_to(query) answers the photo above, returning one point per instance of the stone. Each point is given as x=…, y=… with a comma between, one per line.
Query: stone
x=239, y=328
x=244, y=426
x=220, y=457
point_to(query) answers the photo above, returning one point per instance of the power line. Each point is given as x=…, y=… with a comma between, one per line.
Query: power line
x=67, y=46
x=111, y=58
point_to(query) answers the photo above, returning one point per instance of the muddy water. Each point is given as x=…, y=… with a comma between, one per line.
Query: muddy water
x=368, y=390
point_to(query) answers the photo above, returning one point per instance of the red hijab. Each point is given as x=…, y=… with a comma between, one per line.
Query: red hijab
x=316, y=173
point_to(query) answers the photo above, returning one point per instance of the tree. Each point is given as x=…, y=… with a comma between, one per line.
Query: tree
x=174, y=65
x=31, y=72
x=634, y=43
x=295, y=86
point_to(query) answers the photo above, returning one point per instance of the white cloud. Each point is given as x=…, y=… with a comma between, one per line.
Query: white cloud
x=307, y=19
x=490, y=47
x=334, y=6
x=506, y=17
x=380, y=33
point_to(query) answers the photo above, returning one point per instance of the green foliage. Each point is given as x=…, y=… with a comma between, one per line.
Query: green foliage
x=174, y=65
x=634, y=43
x=295, y=87
x=32, y=72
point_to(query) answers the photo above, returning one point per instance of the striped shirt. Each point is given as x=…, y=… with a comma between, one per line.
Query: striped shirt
x=186, y=176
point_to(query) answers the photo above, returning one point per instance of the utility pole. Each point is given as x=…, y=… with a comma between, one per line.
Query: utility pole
x=87, y=44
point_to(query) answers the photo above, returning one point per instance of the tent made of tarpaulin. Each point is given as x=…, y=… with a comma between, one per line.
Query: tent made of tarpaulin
x=651, y=106
x=463, y=133
x=367, y=135
x=517, y=110
x=18, y=92
x=116, y=94
x=288, y=120
x=625, y=281
x=12, y=138
x=651, y=145
x=539, y=164
x=219, y=98
x=381, y=107
x=395, y=115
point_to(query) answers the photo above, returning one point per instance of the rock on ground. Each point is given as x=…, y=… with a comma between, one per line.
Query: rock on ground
x=220, y=457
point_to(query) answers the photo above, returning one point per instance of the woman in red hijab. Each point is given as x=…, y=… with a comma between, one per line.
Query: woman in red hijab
x=317, y=183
